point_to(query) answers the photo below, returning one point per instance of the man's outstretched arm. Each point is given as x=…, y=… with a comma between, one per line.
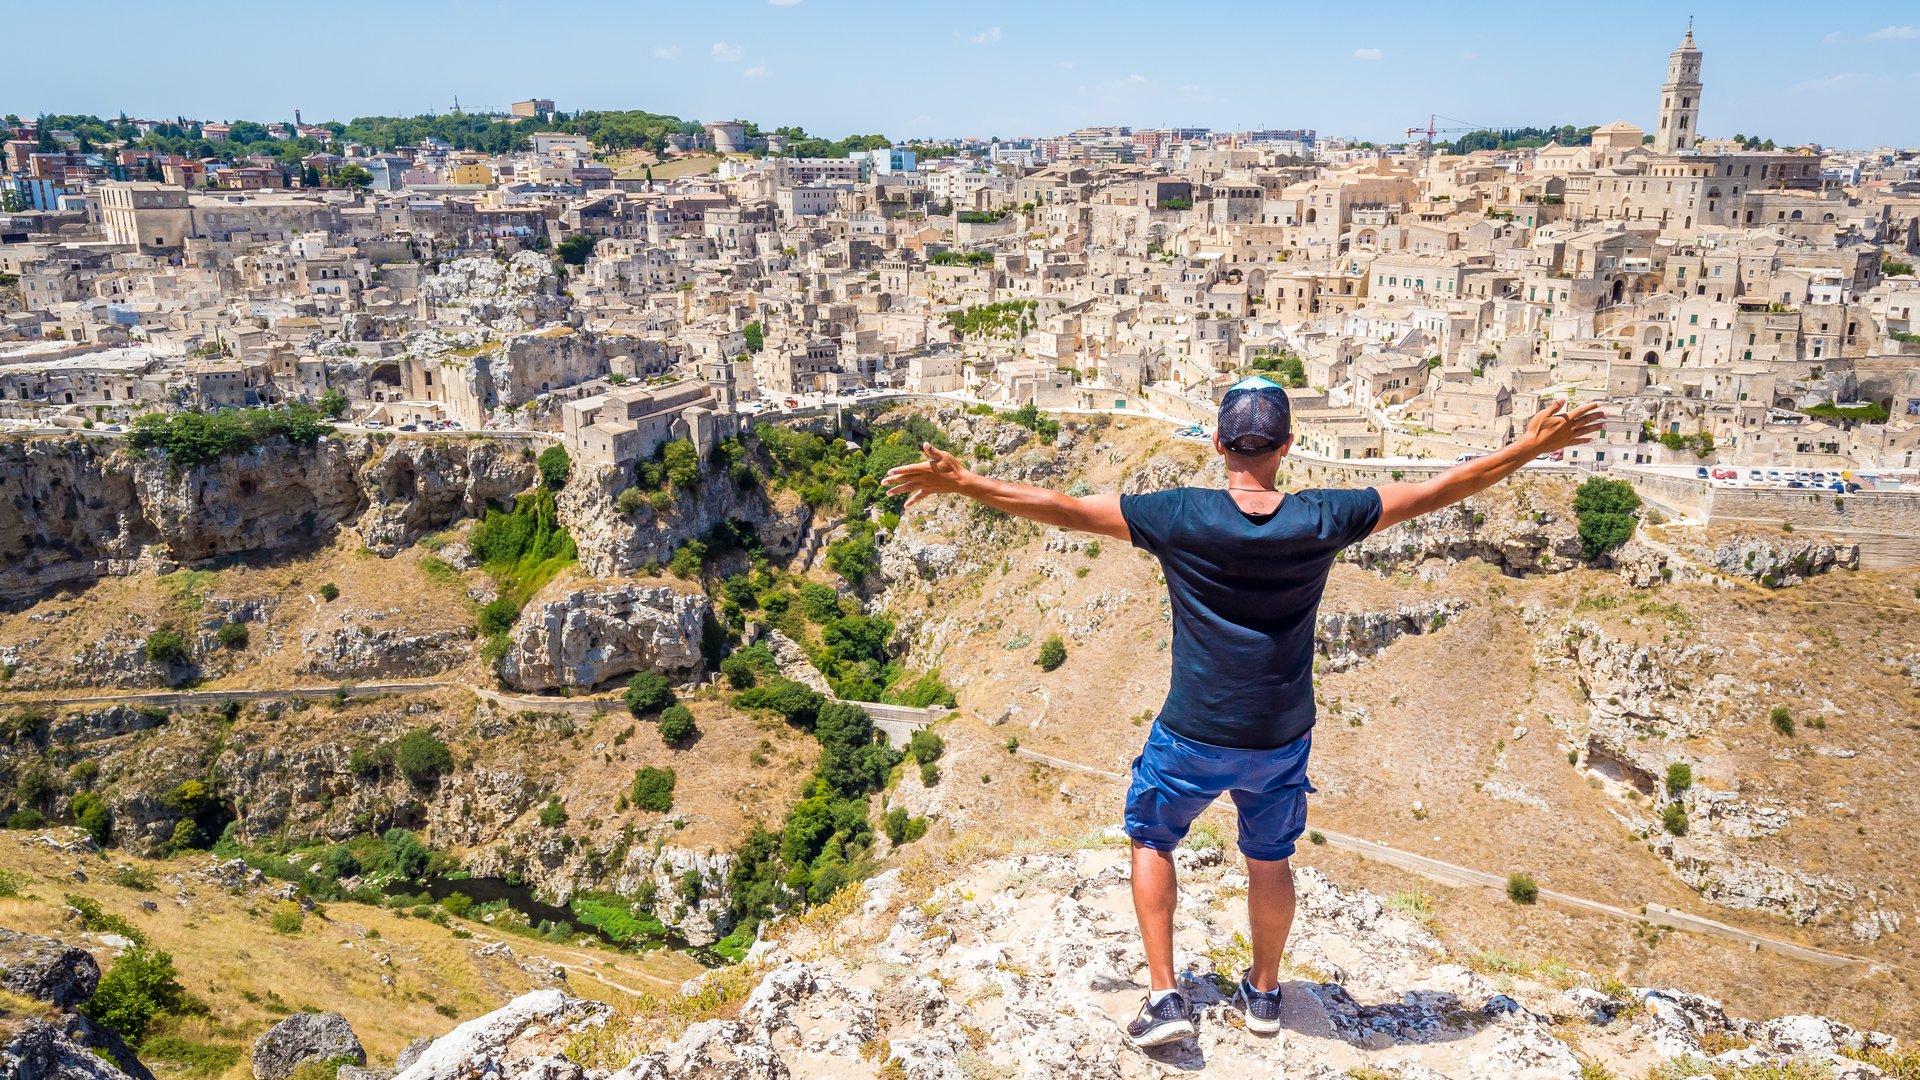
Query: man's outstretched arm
x=1550, y=429
x=943, y=474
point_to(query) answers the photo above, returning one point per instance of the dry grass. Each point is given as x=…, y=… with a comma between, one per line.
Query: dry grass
x=250, y=977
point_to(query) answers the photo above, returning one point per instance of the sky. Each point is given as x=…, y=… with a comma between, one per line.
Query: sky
x=1841, y=74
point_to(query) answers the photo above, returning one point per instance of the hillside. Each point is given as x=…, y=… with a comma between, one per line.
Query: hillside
x=1558, y=693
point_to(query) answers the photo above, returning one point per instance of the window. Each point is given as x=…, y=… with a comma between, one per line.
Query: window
x=1694, y=319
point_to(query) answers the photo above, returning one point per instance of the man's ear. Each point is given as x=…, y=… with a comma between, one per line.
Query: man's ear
x=1218, y=447
x=1287, y=447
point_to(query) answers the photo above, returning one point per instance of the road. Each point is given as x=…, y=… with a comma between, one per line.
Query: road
x=1453, y=874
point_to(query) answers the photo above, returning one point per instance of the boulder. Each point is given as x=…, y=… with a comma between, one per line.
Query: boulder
x=32, y=1049
x=45, y=970
x=304, y=1037
x=588, y=635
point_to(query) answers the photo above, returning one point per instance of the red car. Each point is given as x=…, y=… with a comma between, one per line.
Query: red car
x=1725, y=474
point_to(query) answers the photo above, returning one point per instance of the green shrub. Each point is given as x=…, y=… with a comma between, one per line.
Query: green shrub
x=629, y=500
x=421, y=757
x=648, y=691
x=341, y=862
x=166, y=647
x=924, y=746
x=498, y=616
x=26, y=818
x=553, y=814
x=902, y=828
x=191, y=438
x=410, y=857
x=140, y=986
x=653, y=789
x=233, y=635
x=1053, y=653
x=819, y=603
x=90, y=812
x=101, y=921
x=1782, y=720
x=682, y=462
x=1605, y=509
x=1673, y=818
x=676, y=725
x=1522, y=889
x=554, y=465
x=523, y=549
x=929, y=774
x=456, y=904
x=739, y=671
x=329, y=592
x=1679, y=777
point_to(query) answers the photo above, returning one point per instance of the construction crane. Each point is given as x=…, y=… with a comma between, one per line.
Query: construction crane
x=1432, y=129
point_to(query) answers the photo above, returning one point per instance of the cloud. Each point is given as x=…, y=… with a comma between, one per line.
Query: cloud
x=1896, y=33
x=1367, y=54
x=725, y=53
x=1831, y=82
x=1466, y=56
x=1834, y=38
x=784, y=3
x=1067, y=65
x=985, y=37
x=757, y=71
x=666, y=52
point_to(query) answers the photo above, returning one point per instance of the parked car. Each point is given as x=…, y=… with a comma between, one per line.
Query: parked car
x=373, y=425
x=1773, y=476
x=1755, y=475
x=1796, y=483
x=409, y=427
x=1852, y=487
x=1701, y=472
x=1726, y=474
x=792, y=404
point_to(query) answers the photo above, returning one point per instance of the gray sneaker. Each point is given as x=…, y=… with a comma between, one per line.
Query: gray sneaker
x=1157, y=1025
x=1262, y=1007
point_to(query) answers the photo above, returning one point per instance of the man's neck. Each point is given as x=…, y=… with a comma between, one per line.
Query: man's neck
x=1253, y=489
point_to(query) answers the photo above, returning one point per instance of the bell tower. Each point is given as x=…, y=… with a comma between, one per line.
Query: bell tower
x=1680, y=100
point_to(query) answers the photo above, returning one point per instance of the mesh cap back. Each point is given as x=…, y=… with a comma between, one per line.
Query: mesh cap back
x=1255, y=417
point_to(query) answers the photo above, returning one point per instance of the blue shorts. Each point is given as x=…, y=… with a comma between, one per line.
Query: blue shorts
x=1175, y=778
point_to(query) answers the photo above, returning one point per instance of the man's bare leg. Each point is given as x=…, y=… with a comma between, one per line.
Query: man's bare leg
x=1269, y=912
x=1154, y=892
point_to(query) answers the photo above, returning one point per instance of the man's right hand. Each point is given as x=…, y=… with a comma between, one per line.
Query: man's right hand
x=940, y=474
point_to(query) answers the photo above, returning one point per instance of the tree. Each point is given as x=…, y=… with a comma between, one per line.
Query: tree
x=676, y=725
x=648, y=691
x=410, y=857
x=233, y=635
x=1606, y=512
x=553, y=814
x=421, y=757
x=653, y=789
x=819, y=603
x=756, y=337
x=1053, y=653
x=353, y=176
x=333, y=403
x=1782, y=720
x=682, y=461
x=554, y=467
x=91, y=813
x=925, y=746
x=575, y=249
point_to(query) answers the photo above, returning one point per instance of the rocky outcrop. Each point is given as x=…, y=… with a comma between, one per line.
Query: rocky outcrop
x=1346, y=638
x=615, y=544
x=1518, y=541
x=416, y=486
x=1778, y=562
x=45, y=970
x=302, y=1037
x=1024, y=967
x=585, y=635
x=34, y=1049
x=504, y=295
x=58, y=1044
x=365, y=647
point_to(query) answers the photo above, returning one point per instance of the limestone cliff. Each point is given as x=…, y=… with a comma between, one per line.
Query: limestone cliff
x=84, y=508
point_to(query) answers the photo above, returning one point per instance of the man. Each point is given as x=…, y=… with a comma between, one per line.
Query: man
x=1245, y=571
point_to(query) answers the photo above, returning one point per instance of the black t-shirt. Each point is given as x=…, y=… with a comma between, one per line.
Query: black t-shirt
x=1244, y=590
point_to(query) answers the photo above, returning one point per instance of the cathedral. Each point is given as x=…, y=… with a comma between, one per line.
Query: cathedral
x=1674, y=182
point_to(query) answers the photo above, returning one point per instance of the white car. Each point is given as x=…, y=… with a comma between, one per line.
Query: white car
x=373, y=425
x=1774, y=477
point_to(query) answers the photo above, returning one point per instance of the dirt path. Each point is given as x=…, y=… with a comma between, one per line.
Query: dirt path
x=1466, y=877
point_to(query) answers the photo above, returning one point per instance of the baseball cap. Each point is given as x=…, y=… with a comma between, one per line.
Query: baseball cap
x=1255, y=416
